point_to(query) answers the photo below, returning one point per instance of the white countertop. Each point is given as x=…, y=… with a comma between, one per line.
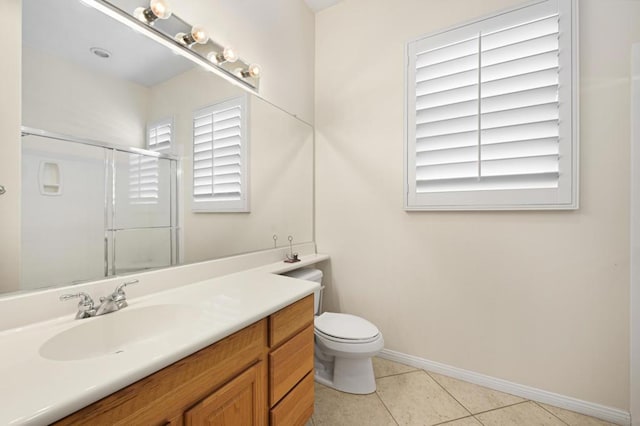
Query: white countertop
x=37, y=390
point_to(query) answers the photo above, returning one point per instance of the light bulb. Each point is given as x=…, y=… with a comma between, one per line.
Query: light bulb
x=160, y=8
x=213, y=57
x=157, y=9
x=181, y=38
x=229, y=55
x=252, y=71
x=139, y=14
x=199, y=34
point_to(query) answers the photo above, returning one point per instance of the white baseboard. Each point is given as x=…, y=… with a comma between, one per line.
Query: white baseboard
x=609, y=414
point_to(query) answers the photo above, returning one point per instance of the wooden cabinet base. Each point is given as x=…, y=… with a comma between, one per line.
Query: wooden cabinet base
x=225, y=384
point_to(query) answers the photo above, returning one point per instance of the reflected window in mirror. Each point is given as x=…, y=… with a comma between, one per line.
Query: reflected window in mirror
x=144, y=173
x=220, y=157
x=159, y=136
x=143, y=179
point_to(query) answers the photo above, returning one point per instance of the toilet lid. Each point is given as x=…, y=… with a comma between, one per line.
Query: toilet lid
x=345, y=326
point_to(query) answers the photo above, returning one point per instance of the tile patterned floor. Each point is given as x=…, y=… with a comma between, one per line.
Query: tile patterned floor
x=409, y=396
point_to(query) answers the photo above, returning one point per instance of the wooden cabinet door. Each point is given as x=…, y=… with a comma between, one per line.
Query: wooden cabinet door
x=242, y=401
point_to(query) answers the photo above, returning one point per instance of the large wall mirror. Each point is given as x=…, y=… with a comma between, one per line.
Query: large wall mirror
x=111, y=181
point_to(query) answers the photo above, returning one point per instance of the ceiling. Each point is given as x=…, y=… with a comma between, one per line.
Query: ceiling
x=68, y=29
x=318, y=5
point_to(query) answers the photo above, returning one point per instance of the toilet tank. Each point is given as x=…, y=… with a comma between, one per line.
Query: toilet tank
x=309, y=274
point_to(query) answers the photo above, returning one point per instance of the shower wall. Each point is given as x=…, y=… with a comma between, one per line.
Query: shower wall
x=62, y=234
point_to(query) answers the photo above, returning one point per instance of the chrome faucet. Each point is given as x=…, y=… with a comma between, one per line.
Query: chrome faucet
x=85, y=306
x=114, y=302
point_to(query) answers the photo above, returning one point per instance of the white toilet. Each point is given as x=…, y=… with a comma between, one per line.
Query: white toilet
x=344, y=345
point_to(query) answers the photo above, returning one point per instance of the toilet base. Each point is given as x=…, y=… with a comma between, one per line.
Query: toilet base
x=351, y=375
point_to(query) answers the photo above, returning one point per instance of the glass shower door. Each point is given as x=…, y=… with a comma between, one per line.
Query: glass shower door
x=141, y=213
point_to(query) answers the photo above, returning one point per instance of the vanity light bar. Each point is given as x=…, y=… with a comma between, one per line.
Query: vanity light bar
x=182, y=50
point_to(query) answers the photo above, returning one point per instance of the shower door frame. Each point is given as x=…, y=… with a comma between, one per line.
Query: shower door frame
x=109, y=187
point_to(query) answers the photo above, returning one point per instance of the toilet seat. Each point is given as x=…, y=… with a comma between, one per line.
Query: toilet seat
x=345, y=328
x=346, y=341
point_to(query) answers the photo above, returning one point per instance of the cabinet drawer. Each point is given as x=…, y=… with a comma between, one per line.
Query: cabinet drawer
x=290, y=363
x=297, y=407
x=288, y=321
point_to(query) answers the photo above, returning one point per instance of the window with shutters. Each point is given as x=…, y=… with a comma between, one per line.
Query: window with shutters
x=220, y=157
x=144, y=170
x=143, y=179
x=159, y=136
x=492, y=113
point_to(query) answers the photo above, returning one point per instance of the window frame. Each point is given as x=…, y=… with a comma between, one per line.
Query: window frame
x=519, y=199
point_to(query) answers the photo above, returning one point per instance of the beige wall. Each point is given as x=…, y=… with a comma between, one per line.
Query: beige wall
x=277, y=34
x=536, y=298
x=635, y=235
x=62, y=97
x=280, y=171
x=10, y=22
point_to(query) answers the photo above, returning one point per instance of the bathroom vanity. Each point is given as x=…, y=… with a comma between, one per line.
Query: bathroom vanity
x=262, y=374
x=218, y=332
x=233, y=349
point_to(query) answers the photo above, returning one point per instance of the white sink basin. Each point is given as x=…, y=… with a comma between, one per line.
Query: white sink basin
x=110, y=334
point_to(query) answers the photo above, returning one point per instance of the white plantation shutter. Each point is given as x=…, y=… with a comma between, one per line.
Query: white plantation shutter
x=159, y=136
x=143, y=179
x=491, y=113
x=220, y=157
x=144, y=171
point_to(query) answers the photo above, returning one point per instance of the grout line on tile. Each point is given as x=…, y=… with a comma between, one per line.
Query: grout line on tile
x=453, y=420
x=478, y=420
x=397, y=374
x=550, y=413
x=500, y=408
x=386, y=408
x=454, y=398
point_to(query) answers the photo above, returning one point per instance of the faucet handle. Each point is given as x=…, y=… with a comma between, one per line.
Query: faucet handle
x=119, y=291
x=121, y=287
x=85, y=306
x=85, y=299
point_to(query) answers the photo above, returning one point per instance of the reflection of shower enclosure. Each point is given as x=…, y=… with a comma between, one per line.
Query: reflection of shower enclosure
x=91, y=210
